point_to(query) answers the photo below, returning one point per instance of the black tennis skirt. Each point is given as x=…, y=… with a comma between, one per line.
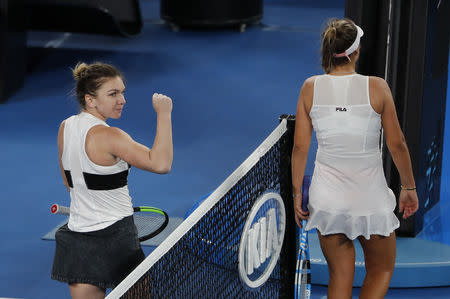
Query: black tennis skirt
x=102, y=258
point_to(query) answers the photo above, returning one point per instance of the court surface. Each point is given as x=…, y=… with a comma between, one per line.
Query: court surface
x=228, y=88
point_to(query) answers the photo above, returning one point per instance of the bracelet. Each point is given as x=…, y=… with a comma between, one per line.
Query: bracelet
x=407, y=189
x=296, y=195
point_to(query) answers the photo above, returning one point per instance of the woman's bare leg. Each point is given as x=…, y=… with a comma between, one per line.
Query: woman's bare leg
x=379, y=256
x=86, y=291
x=339, y=252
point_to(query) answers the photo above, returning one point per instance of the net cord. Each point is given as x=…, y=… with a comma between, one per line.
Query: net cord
x=202, y=209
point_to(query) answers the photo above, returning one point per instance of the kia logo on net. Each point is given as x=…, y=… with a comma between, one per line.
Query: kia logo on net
x=261, y=239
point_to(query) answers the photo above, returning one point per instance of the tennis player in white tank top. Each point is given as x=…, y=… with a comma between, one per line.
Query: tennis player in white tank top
x=89, y=148
x=348, y=197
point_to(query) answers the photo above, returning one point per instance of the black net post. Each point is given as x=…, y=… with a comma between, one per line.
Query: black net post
x=288, y=256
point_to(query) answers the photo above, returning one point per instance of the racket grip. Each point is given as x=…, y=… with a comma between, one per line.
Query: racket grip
x=62, y=210
x=305, y=192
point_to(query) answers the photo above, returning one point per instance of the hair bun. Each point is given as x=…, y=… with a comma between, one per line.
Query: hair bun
x=79, y=70
x=331, y=32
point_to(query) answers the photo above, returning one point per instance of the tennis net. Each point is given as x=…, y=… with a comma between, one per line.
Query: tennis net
x=238, y=243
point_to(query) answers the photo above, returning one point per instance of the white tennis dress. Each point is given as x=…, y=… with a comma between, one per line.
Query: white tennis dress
x=348, y=192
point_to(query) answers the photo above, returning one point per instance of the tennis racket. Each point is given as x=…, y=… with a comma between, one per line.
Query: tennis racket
x=303, y=271
x=149, y=221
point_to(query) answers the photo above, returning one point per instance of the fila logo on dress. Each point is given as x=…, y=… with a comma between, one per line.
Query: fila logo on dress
x=341, y=109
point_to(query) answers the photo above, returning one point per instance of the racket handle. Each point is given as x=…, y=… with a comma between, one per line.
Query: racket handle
x=62, y=210
x=305, y=192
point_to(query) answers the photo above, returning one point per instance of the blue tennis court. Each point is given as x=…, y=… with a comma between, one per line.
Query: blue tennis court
x=228, y=89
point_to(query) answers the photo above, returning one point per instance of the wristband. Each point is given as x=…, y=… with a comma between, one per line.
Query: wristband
x=407, y=189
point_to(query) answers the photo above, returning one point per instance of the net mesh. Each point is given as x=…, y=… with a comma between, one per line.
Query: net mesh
x=203, y=263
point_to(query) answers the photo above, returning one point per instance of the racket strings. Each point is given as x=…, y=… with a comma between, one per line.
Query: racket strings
x=148, y=223
x=303, y=272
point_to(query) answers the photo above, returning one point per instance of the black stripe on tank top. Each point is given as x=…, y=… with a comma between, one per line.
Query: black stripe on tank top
x=106, y=181
x=69, y=178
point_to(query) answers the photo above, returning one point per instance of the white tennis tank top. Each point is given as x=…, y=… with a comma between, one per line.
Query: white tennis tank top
x=99, y=194
x=348, y=192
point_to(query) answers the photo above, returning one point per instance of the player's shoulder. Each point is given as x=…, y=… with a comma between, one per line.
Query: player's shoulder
x=61, y=127
x=310, y=80
x=378, y=82
x=308, y=84
x=101, y=129
x=107, y=133
x=67, y=121
x=379, y=88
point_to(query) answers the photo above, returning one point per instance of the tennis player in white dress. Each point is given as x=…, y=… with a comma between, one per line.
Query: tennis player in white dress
x=348, y=197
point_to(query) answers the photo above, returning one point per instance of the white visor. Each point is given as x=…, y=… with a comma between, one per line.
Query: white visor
x=354, y=46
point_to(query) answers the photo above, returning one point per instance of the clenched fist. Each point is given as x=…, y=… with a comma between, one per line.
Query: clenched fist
x=162, y=103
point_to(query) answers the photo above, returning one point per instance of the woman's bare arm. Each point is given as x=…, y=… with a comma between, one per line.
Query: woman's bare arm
x=159, y=158
x=60, y=151
x=302, y=141
x=396, y=143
